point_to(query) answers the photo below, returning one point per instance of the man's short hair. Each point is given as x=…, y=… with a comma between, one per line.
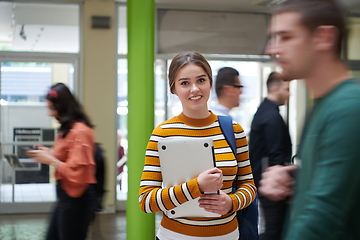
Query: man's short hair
x=274, y=79
x=225, y=76
x=315, y=13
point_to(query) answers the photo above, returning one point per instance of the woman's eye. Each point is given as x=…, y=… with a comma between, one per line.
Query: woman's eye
x=201, y=80
x=184, y=83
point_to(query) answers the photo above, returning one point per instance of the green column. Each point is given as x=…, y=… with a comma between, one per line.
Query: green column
x=141, y=49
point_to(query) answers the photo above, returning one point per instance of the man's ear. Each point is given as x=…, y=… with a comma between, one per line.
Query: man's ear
x=226, y=88
x=326, y=37
x=274, y=88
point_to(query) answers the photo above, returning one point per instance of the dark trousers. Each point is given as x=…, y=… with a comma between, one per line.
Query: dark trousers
x=274, y=216
x=72, y=216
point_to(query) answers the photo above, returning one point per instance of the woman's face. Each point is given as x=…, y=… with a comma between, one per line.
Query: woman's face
x=192, y=86
x=52, y=111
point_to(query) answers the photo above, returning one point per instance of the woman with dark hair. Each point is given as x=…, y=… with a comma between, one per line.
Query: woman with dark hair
x=190, y=78
x=72, y=156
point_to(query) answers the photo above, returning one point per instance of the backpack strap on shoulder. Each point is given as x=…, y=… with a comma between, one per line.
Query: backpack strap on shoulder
x=227, y=129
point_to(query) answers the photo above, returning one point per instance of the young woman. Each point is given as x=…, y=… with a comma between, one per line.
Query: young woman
x=72, y=155
x=190, y=78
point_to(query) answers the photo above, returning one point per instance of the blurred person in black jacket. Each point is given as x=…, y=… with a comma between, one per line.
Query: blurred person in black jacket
x=269, y=145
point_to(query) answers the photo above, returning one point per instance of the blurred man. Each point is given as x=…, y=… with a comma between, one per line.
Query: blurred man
x=228, y=90
x=270, y=144
x=306, y=37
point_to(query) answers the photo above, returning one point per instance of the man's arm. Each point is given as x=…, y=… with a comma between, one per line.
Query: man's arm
x=330, y=198
x=277, y=182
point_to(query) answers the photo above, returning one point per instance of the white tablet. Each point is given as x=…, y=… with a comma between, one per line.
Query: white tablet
x=182, y=159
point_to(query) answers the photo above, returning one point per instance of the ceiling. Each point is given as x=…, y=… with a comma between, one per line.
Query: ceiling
x=46, y=28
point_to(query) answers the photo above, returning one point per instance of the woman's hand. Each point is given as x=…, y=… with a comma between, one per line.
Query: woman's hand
x=42, y=155
x=210, y=180
x=216, y=203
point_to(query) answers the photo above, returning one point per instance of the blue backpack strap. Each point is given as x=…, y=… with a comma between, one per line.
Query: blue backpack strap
x=227, y=129
x=225, y=123
x=247, y=217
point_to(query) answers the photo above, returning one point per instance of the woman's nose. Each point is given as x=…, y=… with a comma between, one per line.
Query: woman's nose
x=194, y=87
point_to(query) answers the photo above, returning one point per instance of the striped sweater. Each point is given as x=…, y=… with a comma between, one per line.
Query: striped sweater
x=154, y=198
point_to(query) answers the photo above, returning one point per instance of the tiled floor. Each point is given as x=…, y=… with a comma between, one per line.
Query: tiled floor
x=34, y=226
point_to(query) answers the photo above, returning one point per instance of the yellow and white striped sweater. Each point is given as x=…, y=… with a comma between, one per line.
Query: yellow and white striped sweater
x=154, y=198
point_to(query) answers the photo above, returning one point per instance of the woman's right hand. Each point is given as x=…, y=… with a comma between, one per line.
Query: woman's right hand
x=210, y=180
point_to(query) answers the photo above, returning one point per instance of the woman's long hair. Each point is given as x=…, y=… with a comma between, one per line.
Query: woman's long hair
x=68, y=108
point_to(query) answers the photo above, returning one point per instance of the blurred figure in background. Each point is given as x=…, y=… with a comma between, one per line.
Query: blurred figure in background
x=228, y=89
x=121, y=159
x=269, y=145
x=72, y=156
x=306, y=38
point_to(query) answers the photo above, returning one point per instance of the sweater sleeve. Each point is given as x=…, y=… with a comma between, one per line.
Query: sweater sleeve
x=79, y=168
x=154, y=198
x=246, y=190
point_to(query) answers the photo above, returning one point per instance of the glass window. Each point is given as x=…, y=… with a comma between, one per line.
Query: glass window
x=33, y=27
x=122, y=110
x=25, y=122
x=122, y=31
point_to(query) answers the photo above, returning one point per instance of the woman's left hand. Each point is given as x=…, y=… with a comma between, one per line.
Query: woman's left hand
x=216, y=203
x=41, y=155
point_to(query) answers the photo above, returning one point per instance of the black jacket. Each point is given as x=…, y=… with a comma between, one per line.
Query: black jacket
x=269, y=139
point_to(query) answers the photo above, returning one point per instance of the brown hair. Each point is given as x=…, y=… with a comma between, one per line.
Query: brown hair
x=68, y=108
x=315, y=13
x=183, y=59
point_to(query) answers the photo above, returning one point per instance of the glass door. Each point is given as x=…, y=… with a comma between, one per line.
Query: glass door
x=26, y=186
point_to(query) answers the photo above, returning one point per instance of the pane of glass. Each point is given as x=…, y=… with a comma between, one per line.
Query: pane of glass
x=122, y=31
x=25, y=122
x=122, y=111
x=39, y=27
x=161, y=85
